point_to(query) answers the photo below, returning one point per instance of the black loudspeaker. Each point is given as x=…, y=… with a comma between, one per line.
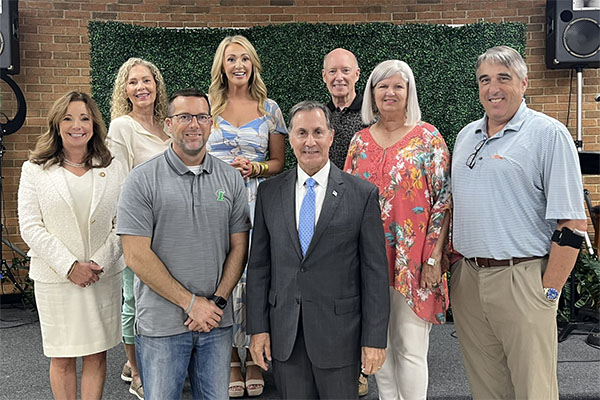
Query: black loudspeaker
x=572, y=34
x=9, y=36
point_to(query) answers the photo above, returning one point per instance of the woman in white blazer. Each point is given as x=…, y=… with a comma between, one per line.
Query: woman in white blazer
x=67, y=206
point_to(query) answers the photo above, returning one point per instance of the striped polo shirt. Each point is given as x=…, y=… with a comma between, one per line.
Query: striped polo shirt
x=524, y=179
x=190, y=218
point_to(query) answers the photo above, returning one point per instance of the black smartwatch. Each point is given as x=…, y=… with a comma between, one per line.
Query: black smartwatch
x=220, y=302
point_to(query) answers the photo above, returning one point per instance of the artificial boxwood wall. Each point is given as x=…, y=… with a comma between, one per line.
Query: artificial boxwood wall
x=442, y=58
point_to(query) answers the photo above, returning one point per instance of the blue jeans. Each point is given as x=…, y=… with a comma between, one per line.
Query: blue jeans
x=163, y=363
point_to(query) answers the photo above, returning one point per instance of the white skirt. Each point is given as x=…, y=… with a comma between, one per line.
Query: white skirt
x=78, y=321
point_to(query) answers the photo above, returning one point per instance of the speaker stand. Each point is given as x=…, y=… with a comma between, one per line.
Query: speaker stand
x=579, y=141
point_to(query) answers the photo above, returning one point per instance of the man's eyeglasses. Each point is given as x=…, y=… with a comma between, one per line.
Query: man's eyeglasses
x=186, y=118
x=472, y=160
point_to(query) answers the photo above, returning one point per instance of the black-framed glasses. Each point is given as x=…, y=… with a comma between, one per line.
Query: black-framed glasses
x=186, y=118
x=472, y=160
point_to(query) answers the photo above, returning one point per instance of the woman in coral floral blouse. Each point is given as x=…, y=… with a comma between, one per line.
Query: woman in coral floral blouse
x=409, y=162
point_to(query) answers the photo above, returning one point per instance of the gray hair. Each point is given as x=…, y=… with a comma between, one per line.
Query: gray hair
x=383, y=71
x=506, y=56
x=309, y=105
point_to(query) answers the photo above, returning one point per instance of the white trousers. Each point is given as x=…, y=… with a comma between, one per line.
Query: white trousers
x=404, y=374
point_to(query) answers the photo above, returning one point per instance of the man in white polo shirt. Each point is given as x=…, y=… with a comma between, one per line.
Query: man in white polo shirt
x=518, y=222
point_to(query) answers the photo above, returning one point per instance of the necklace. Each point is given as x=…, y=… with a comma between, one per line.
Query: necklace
x=72, y=164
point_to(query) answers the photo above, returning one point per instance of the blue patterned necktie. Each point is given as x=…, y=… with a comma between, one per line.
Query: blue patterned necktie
x=306, y=221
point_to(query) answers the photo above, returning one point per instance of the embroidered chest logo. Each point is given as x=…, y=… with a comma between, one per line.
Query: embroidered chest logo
x=220, y=195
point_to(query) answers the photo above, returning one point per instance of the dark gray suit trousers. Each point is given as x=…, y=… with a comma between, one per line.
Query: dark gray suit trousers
x=298, y=378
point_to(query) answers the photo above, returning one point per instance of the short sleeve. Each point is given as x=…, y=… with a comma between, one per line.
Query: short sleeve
x=276, y=121
x=562, y=177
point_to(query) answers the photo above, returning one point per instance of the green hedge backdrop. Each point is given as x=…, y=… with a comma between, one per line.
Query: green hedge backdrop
x=442, y=58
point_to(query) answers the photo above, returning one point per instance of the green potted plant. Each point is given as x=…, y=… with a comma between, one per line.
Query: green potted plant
x=586, y=275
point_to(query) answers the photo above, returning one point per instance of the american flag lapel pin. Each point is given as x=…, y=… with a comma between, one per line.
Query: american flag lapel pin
x=334, y=193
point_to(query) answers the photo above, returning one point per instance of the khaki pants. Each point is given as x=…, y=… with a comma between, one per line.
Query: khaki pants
x=507, y=330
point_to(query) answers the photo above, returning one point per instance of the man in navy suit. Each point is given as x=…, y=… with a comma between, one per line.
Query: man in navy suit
x=317, y=285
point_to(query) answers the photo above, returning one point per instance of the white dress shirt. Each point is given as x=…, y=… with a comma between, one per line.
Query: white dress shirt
x=320, y=188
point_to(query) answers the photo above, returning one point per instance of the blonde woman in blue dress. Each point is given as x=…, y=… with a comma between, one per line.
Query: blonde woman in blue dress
x=247, y=125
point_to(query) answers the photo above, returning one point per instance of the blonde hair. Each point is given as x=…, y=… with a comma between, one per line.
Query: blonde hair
x=120, y=103
x=219, y=84
x=49, y=147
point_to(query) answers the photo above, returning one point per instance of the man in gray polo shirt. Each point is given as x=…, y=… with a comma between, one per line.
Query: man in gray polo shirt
x=518, y=222
x=183, y=219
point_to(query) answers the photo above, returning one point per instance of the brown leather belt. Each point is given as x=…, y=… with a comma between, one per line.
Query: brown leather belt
x=490, y=262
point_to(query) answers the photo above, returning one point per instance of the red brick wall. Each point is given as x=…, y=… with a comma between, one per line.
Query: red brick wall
x=55, y=52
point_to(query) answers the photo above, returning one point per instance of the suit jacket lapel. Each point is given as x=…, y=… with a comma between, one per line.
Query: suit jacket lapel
x=57, y=176
x=98, y=185
x=288, y=201
x=335, y=191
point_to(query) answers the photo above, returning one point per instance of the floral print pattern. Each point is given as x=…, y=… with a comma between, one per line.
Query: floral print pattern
x=413, y=177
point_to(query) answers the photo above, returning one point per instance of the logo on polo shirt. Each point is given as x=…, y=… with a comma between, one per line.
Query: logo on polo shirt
x=220, y=195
